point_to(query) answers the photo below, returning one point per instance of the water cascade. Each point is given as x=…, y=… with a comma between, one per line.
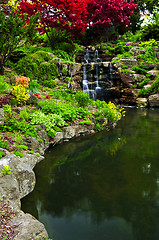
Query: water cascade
x=97, y=76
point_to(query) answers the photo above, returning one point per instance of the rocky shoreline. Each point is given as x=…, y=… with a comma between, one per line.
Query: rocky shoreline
x=22, y=180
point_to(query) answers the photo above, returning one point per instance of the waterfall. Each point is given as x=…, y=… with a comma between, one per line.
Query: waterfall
x=86, y=56
x=85, y=82
x=110, y=71
x=97, y=76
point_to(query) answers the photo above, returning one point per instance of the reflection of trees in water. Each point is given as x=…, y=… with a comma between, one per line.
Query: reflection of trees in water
x=84, y=175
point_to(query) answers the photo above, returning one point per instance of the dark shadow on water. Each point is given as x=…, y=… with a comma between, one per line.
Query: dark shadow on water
x=102, y=187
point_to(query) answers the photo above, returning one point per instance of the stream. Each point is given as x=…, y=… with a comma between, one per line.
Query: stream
x=104, y=186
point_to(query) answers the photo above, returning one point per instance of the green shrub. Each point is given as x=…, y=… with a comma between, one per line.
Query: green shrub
x=17, y=54
x=34, y=86
x=38, y=65
x=151, y=42
x=151, y=30
x=82, y=98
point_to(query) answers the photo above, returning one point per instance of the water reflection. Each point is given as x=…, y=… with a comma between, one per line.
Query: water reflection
x=103, y=187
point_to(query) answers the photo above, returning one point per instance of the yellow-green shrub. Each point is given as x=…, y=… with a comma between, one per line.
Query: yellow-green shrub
x=21, y=94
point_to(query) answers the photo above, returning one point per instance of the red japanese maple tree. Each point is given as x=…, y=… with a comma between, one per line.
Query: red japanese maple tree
x=69, y=15
x=74, y=16
x=103, y=13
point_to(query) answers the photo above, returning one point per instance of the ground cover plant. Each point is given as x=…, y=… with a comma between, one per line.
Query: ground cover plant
x=55, y=109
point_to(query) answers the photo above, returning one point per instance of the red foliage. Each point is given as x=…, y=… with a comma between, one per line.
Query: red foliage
x=69, y=15
x=75, y=15
x=103, y=13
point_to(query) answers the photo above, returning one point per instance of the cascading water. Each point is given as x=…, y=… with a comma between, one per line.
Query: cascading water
x=85, y=82
x=110, y=71
x=97, y=75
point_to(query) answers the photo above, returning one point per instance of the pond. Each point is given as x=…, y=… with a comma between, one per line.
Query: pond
x=102, y=187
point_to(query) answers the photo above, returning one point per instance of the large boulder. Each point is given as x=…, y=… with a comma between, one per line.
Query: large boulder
x=9, y=190
x=154, y=100
x=153, y=73
x=128, y=62
x=22, y=173
x=27, y=227
x=142, y=102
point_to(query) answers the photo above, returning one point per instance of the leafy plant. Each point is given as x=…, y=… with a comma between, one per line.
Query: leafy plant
x=1, y=154
x=3, y=85
x=151, y=42
x=24, y=81
x=6, y=170
x=140, y=69
x=145, y=91
x=21, y=94
x=82, y=98
x=144, y=82
x=50, y=121
x=85, y=122
x=7, y=109
x=155, y=84
x=18, y=153
x=31, y=152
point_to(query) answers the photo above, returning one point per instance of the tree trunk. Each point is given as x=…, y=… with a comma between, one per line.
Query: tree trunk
x=1, y=67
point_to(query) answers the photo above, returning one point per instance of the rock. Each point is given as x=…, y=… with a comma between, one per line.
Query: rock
x=154, y=100
x=139, y=77
x=129, y=62
x=68, y=132
x=64, y=69
x=13, y=79
x=157, y=55
x=128, y=96
x=75, y=68
x=1, y=116
x=59, y=137
x=106, y=64
x=127, y=79
x=9, y=189
x=22, y=171
x=153, y=73
x=147, y=86
x=35, y=145
x=142, y=102
x=136, y=51
x=27, y=227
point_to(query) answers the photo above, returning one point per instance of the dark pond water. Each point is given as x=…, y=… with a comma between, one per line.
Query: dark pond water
x=102, y=187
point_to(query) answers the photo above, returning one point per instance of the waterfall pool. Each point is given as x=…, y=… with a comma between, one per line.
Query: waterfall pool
x=102, y=187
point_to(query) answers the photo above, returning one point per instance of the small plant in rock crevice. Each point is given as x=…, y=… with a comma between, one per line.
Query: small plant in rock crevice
x=6, y=170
